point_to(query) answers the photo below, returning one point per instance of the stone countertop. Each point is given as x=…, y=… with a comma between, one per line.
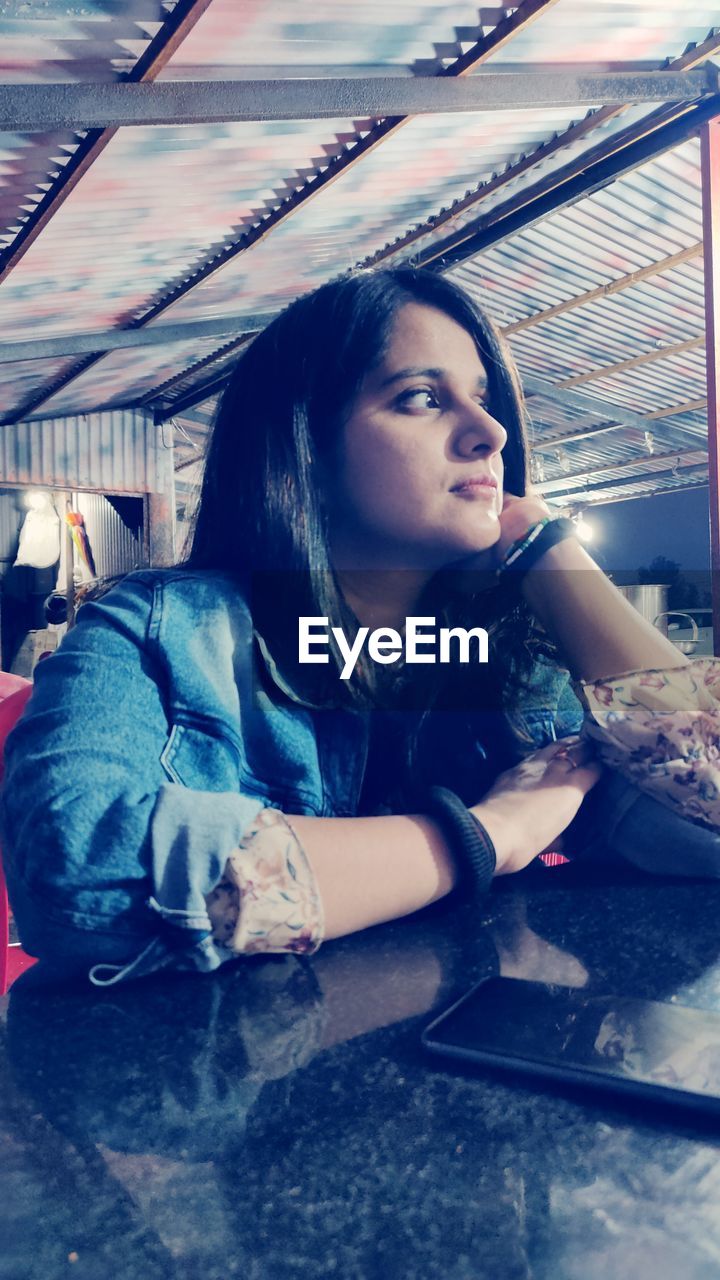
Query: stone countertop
x=280, y=1119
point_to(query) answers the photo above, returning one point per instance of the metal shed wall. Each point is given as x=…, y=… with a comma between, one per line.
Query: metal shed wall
x=116, y=547
x=122, y=451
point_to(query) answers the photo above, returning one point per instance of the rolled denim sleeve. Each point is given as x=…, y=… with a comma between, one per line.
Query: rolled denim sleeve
x=108, y=860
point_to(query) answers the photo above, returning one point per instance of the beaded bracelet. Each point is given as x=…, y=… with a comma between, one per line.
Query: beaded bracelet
x=524, y=553
x=520, y=544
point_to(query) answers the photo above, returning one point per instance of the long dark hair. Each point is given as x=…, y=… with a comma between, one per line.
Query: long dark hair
x=278, y=427
x=281, y=415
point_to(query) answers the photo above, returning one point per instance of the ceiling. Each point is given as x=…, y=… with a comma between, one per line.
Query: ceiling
x=136, y=260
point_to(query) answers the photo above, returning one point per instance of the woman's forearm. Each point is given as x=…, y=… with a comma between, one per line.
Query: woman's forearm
x=370, y=870
x=599, y=633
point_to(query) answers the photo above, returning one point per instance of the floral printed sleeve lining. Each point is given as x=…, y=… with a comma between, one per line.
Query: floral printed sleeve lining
x=661, y=728
x=267, y=900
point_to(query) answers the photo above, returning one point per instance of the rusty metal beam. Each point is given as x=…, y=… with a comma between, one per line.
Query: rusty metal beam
x=606, y=290
x=41, y=108
x=710, y=169
x=622, y=366
x=161, y=48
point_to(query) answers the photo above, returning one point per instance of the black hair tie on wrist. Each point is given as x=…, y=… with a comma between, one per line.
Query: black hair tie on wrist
x=553, y=532
x=469, y=842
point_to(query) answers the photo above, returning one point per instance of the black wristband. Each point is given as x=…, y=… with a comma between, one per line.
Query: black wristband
x=553, y=532
x=467, y=837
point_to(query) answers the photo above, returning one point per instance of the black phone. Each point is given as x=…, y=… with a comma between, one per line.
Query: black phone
x=662, y=1052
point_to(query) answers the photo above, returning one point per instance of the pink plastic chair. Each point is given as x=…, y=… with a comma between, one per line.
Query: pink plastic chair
x=14, y=693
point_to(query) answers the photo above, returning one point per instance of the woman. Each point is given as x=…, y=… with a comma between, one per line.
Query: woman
x=182, y=790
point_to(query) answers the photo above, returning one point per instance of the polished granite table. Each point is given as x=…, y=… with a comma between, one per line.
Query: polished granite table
x=280, y=1119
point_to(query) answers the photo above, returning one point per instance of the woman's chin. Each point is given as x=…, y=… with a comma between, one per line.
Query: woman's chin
x=479, y=541
x=475, y=559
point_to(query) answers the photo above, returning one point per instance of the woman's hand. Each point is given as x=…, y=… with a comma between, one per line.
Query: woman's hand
x=532, y=804
x=517, y=516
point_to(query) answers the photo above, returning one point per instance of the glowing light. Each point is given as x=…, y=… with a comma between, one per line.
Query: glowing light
x=37, y=500
x=584, y=531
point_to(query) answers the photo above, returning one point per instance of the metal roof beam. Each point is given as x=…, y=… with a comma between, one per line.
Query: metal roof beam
x=617, y=415
x=636, y=497
x=161, y=48
x=694, y=469
x=606, y=290
x=157, y=335
x=587, y=404
x=41, y=108
x=627, y=466
x=195, y=395
x=622, y=366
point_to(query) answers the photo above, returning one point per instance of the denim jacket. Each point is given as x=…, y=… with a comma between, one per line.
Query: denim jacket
x=147, y=748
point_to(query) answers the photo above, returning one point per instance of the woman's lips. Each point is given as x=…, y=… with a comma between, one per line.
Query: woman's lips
x=476, y=489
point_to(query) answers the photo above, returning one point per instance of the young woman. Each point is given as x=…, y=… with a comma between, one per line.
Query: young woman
x=183, y=790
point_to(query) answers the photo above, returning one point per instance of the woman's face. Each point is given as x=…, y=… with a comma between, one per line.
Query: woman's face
x=419, y=481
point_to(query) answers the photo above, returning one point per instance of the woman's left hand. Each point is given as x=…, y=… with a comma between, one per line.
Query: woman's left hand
x=517, y=517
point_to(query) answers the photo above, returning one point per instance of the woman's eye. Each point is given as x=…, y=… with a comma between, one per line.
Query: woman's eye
x=418, y=398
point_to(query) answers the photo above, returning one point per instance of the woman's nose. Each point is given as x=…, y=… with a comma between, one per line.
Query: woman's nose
x=479, y=431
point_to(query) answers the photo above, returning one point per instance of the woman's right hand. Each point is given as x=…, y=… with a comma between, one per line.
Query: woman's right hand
x=530, y=806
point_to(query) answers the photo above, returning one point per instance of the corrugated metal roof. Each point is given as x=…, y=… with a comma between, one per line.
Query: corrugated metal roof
x=321, y=34
x=124, y=377
x=153, y=202
x=643, y=218
x=56, y=41
x=424, y=166
x=610, y=31
x=51, y=40
x=160, y=205
x=19, y=378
